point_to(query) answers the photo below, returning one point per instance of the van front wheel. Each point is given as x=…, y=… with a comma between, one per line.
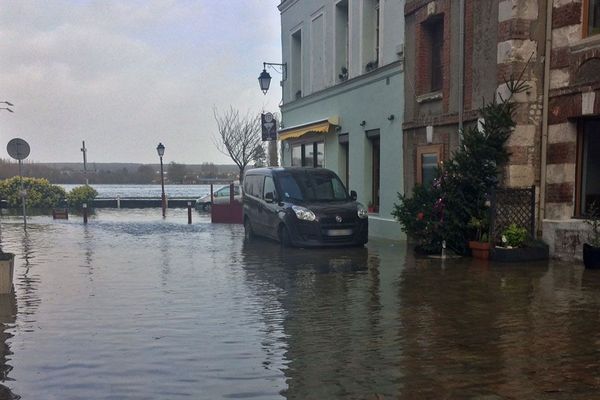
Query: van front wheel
x=284, y=237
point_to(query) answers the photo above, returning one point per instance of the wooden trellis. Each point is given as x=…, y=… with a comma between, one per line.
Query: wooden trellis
x=512, y=206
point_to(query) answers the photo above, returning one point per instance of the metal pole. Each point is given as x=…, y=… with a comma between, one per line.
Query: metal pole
x=461, y=66
x=84, y=151
x=85, y=216
x=189, y=204
x=22, y=195
x=162, y=183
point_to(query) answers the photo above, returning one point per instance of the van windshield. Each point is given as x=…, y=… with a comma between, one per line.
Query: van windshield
x=311, y=185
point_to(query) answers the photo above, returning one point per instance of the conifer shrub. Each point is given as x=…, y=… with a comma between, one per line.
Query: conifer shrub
x=442, y=211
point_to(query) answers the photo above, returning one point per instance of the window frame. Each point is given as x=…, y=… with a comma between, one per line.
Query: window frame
x=377, y=32
x=587, y=4
x=265, y=186
x=437, y=149
x=305, y=148
x=579, y=171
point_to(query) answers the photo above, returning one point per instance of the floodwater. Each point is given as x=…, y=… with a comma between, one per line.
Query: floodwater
x=135, y=307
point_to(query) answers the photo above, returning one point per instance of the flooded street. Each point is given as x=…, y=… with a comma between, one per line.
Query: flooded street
x=135, y=307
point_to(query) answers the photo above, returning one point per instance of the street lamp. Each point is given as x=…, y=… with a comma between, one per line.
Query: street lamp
x=161, y=152
x=264, y=79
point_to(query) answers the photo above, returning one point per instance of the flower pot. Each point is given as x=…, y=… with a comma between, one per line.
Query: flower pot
x=591, y=256
x=480, y=250
x=537, y=252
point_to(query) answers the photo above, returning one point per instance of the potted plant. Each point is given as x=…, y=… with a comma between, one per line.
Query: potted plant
x=517, y=246
x=480, y=247
x=591, y=248
x=370, y=207
x=371, y=65
x=343, y=76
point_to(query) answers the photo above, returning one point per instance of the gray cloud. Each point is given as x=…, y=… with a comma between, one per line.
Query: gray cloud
x=124, y=75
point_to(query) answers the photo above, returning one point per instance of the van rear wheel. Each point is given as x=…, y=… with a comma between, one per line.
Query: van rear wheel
x=248, y=232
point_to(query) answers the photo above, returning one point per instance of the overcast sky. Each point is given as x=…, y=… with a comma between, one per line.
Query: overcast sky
x=125, y=75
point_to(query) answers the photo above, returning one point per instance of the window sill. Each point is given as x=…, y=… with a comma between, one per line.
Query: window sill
x=586, y=43
x=429, y=97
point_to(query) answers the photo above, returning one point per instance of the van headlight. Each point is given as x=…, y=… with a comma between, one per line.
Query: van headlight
x=304, y=213
x=361, y=211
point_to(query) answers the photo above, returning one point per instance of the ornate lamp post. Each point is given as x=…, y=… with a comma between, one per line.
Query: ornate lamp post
x=264, y=80
x=161, y=151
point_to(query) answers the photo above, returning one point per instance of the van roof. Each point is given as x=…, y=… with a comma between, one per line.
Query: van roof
x=270, y=170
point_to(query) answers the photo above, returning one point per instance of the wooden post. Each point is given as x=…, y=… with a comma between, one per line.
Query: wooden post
x=231, y=193
x=189, y=204
x=85, y=216
x=6, y=273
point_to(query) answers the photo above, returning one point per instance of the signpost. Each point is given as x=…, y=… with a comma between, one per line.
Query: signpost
x=19, y=150
x=268, y=124
x=269, y=127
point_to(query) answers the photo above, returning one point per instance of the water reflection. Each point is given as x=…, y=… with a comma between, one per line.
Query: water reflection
x=8, y=313
x=333, y=310
x=378, y=323
x=28, y=279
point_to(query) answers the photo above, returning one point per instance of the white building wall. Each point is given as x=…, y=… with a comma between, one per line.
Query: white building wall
x=316, y=19
x=376, y=97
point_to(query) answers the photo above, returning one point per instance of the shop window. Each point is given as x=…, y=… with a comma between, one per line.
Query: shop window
x=589, y=166
x=428, y=160
x=308, y=155
x=297, y=156
x=591, y=17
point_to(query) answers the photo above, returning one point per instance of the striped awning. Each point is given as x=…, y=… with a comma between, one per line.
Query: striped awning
x=322, y=126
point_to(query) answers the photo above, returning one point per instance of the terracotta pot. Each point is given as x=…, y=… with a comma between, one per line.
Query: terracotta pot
x=480, y=250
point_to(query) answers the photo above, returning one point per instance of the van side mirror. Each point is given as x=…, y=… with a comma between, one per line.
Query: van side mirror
x=353, y=195
x=269, y=197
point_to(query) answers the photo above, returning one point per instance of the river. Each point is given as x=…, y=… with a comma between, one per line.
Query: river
x=154, y=191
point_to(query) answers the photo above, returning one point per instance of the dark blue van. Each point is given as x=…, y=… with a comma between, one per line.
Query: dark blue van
x=302, y=207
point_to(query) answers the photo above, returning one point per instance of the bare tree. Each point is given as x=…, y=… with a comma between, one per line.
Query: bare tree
x=238, y=136
x=259, y=157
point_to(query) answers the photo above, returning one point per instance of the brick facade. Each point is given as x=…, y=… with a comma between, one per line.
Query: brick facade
x=518, y=45
x=441, y=110
x=574, y=79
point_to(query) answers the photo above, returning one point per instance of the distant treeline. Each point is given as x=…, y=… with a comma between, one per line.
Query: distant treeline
x=114, y=173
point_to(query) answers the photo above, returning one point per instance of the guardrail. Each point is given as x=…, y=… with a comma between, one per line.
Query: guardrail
x=141, y=202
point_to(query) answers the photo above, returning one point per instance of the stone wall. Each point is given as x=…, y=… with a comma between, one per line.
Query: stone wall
x=574, y=93
x=520, y=44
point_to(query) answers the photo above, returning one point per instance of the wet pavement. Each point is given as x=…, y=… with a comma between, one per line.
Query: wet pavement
x=135, y=307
